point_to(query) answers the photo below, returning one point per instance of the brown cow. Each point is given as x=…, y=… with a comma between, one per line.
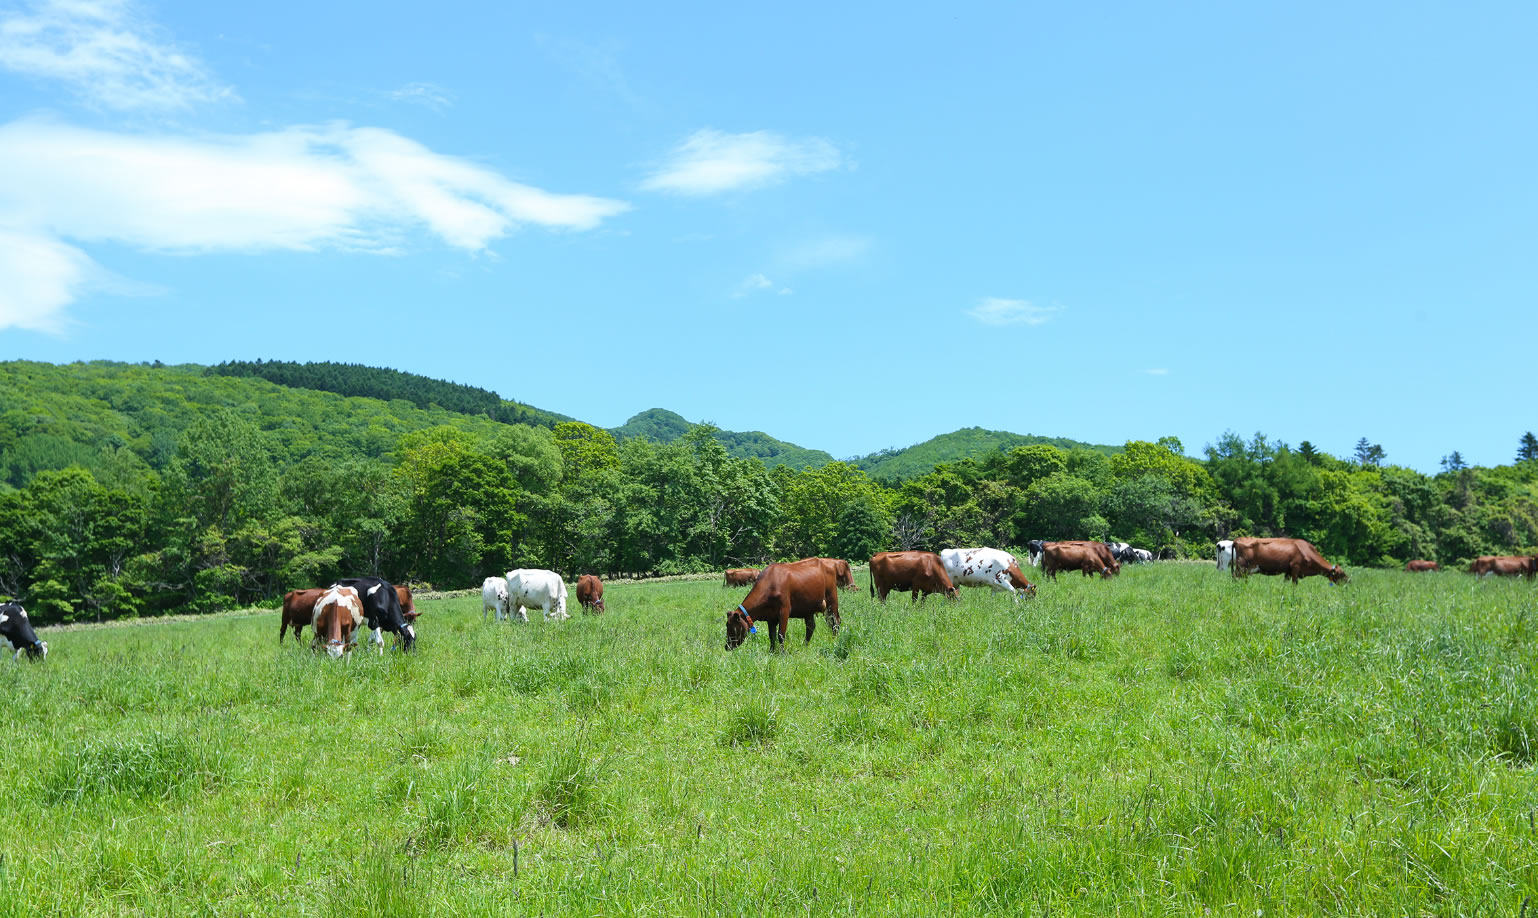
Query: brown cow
x=1089, y=558
x=799, y=589
x=1505, y=566
x=338, y=613
x=740, y=576
x=840, y=569
x=912, y=572
x=408, y=605
x=590, y=593
x=298, y=612
x=1292, y=558
x=1416, y=567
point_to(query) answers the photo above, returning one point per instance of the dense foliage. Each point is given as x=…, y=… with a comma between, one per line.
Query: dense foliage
x=375, y=382
x=894, y=464
x=128, y=490
x=665, y=426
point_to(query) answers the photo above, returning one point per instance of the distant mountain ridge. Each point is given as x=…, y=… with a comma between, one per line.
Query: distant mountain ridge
x=664, y=426
x=966, y=443
x=436, y=396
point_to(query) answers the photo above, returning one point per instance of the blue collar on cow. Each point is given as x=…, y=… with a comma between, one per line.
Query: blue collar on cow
x=752, y=629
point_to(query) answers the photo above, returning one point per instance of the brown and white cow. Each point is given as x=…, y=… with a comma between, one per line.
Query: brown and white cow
x=913, y=572
x=1291, y=558
x=338, y=614
x=299, y=608
x=798, y=589
x=590, y=593
x=1504, y=566
x=1416, y=567
x=1089, y=558
x=740, y=576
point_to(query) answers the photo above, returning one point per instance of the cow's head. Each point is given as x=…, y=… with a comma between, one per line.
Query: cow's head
x=739, y=624
x=16, y=632
x=1018, y=581
x=1336, y=574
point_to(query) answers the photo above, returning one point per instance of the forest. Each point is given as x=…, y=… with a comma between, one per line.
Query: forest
x=129, y=490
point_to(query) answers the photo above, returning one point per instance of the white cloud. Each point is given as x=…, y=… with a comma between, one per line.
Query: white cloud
x=753, y=283
x=711, y=162
x=431, y=95
x=106, y=52
x=42, y=276
x=302, y=188
x=994, y=310
x=1158, y=371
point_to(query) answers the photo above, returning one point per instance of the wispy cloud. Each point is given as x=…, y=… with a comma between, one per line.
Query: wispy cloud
x=107, y=53
x=753, y=283
x=712, y=162
x=597, y=64
x=431, y=95
x=994, y=310
x=824, y=251
x=1158, y=371
x=303, y=188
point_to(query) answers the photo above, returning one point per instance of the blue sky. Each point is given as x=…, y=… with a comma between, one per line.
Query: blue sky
x=850, y=226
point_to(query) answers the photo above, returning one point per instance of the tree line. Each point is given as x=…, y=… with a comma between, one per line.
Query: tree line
x=136, y=490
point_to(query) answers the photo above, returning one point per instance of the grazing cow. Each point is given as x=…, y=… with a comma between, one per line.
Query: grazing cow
x=986, y=567
x=494, y=597
x=1291, y=558
x=338, y=613
x=912, y=572
x=1141, y=556
x=1033, y=550
x=1121, y=551
x=298, y=612
x=535, y=587
x=590, y=593
x=408, y=605
x=1416, y=567
x=1225, y=554
x=1504, y=566
x=799, y=589
x=740, y=576
x=842, y=572
x=1089, y=558
x=382, y=608
x=16, y=633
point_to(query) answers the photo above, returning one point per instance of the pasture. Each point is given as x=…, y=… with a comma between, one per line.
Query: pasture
x=1164, y=743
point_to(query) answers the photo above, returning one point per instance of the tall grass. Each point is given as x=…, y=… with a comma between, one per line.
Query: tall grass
x=1167, y=742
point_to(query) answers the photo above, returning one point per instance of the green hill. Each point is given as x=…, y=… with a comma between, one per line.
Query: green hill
x=665, y=426
x=115, y=417
x=386, y=384
x=967, y=443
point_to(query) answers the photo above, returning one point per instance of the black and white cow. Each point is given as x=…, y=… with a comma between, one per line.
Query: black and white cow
x=1142, y=556
x=17, y=634
x=382, y=610
x=1033, y=550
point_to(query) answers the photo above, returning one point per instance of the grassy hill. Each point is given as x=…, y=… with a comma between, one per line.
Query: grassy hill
x=967, y=443
x=665, y=426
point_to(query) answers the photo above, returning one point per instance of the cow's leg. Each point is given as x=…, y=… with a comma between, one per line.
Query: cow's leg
x=832, y=613
x=811, y=625
x=378, y=640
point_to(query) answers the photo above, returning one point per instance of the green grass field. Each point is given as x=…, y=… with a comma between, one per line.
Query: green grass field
x=1164, y=743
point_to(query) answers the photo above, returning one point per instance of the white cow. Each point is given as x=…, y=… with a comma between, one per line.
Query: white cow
x=494, y=597
x=1143, y=555
x=533, y=587
x=989, y=567
x=1225, y=554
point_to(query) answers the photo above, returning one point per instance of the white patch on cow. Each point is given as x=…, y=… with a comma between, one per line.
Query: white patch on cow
x=4, y=618
x=374, y=589
x=1225, y=554
x=411, y=631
